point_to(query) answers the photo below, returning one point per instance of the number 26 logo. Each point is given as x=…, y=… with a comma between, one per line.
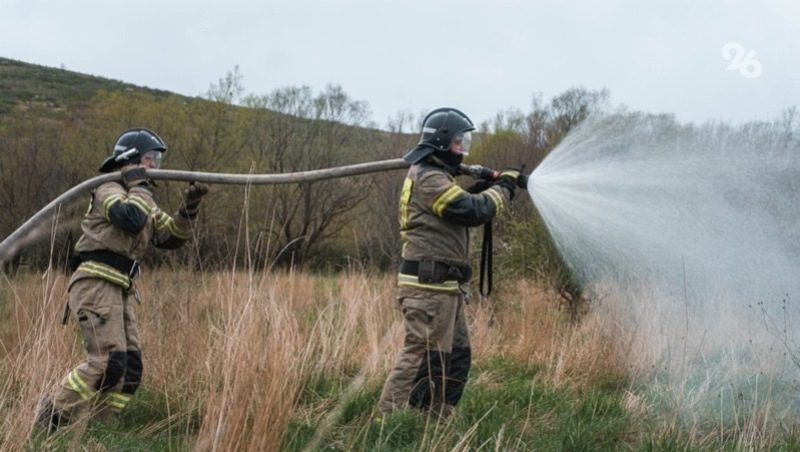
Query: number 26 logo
x=741, y=60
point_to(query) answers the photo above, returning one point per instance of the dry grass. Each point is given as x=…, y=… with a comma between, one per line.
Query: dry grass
x=239, y=346
x=526, y=325
x=232, y=351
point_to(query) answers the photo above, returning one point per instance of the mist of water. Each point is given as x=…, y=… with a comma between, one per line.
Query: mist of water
x=695, y=231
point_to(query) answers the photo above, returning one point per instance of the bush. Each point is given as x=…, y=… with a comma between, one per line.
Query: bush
x=529, y=251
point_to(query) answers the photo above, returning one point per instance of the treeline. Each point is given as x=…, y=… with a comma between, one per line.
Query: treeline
x=321, y=225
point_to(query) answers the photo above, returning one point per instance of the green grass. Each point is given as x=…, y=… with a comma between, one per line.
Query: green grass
x=147, y=424
x=505, y=407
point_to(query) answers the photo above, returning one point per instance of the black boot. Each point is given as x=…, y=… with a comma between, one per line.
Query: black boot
x=48, y=418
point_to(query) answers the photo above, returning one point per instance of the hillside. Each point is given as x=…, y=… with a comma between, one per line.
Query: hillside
x=25, y=83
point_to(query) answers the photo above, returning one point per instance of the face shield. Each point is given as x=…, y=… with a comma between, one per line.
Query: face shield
x=461, y=143
x=151, y=159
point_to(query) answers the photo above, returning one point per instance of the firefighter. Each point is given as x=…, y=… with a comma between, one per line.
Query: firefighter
x=122, y=221
x=435, y=213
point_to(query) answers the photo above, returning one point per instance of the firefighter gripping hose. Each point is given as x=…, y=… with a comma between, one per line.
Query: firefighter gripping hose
x=17, y=240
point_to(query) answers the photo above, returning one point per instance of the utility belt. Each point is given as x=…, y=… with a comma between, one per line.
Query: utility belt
x=121, y=263
x=127, y=269
x=436, y=272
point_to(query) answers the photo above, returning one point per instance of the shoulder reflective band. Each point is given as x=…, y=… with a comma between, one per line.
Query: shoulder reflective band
x=405, y=198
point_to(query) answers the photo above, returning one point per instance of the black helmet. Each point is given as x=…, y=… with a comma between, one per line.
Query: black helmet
x=131, y=145
x=438, y=130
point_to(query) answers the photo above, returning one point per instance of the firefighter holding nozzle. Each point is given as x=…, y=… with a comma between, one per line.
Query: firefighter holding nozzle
x=435, y=214
x=122, y=222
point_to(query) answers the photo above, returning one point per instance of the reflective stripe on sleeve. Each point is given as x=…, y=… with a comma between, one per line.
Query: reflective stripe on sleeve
x=164, y=221
x=140, y=203
x=109, y=202
x=497, y=198
x=443, y=200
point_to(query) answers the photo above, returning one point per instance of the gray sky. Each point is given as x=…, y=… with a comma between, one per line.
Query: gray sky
x=478, y=55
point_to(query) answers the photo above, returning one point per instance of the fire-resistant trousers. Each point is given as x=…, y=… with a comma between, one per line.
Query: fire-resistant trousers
x=432, y=368
x=112, y=370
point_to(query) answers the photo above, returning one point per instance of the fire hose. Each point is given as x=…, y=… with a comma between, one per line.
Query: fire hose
x=21, y=236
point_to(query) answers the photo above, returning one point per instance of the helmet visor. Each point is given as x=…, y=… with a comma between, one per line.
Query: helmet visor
x=151, y=159
x=461, y=143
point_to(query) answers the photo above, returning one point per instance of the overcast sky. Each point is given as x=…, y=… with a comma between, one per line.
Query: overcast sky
x=478, y=55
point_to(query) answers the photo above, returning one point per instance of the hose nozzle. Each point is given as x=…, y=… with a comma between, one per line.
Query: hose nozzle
x=482, y=172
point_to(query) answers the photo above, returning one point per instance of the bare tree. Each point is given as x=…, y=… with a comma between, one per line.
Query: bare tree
x=378, y=231
x=33, y=170
x=571, y=107
x=297, y=131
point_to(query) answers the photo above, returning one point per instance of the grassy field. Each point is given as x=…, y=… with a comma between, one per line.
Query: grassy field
x=293, y=361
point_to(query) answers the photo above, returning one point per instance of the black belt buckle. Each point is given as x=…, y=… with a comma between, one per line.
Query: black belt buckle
x=454, y=272
x=461, y=273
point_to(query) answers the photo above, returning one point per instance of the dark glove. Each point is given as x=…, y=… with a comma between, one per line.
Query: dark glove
x=485, y=173
x=479, y=185
x=135, y=176
x=509, y=179
x=191, y=199
x=522, y=181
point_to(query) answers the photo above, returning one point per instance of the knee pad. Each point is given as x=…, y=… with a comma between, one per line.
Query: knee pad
x=428, y=385
x=460, y=363
x=115, y=369
x=133, y=372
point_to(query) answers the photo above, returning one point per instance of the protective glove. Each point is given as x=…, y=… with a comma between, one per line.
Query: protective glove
x=482, y=172
x=135, y=176
x=522, y=181
x=191, y=199
x=509, y=179
x=479, y=185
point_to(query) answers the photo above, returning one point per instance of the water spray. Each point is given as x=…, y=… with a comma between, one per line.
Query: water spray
x=691, y=233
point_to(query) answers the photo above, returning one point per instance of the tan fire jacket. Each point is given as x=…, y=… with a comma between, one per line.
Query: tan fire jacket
x=435, y=214
x=125, y=222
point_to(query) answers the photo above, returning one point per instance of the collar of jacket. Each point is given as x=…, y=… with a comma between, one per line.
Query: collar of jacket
x=453, y=170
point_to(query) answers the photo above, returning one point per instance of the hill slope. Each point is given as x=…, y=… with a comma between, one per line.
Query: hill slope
x=25, y=83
